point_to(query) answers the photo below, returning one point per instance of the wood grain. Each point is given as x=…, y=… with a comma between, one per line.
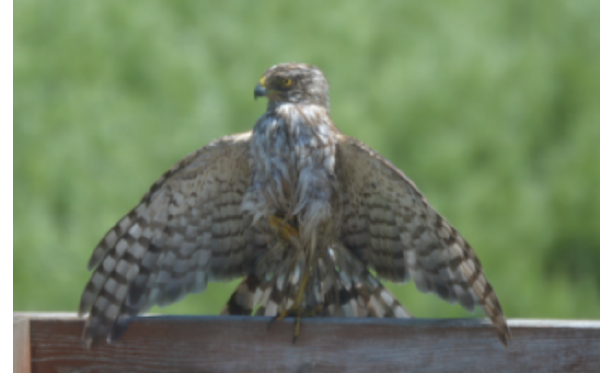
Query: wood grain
x=21, y=346
x=245, y=344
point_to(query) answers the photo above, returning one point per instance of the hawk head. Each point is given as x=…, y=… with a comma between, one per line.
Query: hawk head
x=295, y=83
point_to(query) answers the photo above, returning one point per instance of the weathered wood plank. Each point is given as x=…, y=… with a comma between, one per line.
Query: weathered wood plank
x=21, y=346
x=244, y=344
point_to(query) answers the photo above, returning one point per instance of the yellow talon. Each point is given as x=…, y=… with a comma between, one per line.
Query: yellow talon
x=286, y=229
x=282, y=315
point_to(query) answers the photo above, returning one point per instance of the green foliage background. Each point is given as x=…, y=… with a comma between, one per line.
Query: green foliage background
x=492, y=108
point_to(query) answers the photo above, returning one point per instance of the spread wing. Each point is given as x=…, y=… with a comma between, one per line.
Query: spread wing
x=390, y=226
x=187, y=230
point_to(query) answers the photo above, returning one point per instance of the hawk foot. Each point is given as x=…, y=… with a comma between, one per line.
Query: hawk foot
x=296, y=309
x=286, y=228
x=298, y=313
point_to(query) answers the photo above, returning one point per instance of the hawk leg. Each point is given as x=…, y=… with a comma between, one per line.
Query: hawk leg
x=296, y=309
x=288, y=230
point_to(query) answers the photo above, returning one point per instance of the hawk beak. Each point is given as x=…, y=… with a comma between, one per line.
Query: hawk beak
x=260, y=90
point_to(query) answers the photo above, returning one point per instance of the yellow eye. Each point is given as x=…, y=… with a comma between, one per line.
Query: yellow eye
x=285, y=82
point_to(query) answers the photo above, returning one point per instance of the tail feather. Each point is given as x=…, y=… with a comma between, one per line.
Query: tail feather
x=363, y=296
x=242, y=300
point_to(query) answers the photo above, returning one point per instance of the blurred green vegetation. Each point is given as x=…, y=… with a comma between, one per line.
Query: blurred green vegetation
x=492, y=108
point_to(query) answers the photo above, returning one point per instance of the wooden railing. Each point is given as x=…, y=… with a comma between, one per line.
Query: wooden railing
x=46, y=343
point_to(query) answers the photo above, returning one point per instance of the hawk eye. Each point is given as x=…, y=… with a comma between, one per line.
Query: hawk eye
x=285, y=82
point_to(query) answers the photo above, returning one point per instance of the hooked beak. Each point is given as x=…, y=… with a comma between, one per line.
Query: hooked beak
x=260, y=90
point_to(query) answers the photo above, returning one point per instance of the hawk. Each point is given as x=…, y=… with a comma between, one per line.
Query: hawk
x=305, y=214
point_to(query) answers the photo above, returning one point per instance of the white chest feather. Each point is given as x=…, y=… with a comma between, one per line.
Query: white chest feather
x=293, y=161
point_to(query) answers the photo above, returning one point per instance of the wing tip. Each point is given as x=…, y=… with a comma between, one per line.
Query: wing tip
x=502, y=330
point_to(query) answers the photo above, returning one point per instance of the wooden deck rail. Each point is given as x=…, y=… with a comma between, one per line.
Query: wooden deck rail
x=46, y=343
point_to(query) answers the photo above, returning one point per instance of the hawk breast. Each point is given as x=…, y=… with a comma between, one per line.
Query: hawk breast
x=292, y=161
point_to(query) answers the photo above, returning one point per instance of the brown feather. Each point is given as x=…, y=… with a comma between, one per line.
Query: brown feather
x=188, y=229
x=390, y=225
x=302, y=211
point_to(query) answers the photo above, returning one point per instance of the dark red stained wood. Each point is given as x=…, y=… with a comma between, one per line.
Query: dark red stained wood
x=244, y=344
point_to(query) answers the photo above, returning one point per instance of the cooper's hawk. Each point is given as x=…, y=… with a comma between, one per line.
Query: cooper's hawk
x=300, y=210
